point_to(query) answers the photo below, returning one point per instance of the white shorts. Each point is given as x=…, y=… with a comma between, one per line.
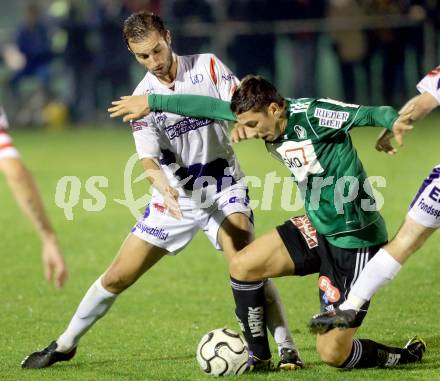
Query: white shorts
x=160, y=229
x=7, y=148
x=425, y=208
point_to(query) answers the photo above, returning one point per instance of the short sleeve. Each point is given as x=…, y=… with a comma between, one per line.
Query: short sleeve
x=145, y=133
x=223, y=78
x=431, y=84
x=146, y=138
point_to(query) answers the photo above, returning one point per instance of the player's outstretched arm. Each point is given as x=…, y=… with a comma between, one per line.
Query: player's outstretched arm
x=395, y=124
x=420, y=106
x=25, y=191
x=415, y=109
x=197, y=106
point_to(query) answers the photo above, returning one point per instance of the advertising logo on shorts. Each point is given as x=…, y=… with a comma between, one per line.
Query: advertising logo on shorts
x=330, y=293
x=307, y=230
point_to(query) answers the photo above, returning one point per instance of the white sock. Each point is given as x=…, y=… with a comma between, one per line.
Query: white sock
x=95, y=304
x=276, y=317
x=378, y=272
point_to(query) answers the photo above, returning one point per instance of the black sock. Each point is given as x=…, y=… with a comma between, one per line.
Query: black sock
x=369, y=354
x=249, y=302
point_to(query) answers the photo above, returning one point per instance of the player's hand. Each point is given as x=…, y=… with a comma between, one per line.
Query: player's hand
x=402, y=124
x=53, y=263
x=132, y=107
x=171, y=201
x=383, y=142
x=240, y=132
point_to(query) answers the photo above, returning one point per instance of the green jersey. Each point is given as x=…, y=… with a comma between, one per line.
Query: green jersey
x=317, y=149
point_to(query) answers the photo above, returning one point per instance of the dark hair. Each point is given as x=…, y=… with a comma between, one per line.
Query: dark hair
x=138, y=25
x=254, y=93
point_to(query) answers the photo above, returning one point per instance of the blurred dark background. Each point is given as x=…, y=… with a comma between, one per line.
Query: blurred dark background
x=63, y=61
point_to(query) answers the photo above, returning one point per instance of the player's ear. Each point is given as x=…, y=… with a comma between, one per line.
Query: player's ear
x=168, y=37
x=274, y=109
x=127, y=44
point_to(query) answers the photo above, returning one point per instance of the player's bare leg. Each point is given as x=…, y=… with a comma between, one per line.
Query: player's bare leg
x=235, y=234
x=135, y=257
x=410, y=237
x=263, y=258
x=266, y=257
x=334, y=347
x=338, y=348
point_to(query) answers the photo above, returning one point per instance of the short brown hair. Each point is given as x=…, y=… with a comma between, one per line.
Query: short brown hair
x=254, y=93
x=138, y=25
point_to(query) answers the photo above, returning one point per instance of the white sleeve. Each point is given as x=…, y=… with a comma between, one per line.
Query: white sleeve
x=4, y=125
x=7, y=148
x=145, y=134
x=223, y=78
x=431, y=84
x=146, y=138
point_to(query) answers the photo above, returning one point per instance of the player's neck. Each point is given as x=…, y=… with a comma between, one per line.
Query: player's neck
x=170, y=77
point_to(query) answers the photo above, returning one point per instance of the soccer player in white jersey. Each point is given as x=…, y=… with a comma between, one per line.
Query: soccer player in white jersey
x=422, y=220
x=180, y=155
x=25, y=191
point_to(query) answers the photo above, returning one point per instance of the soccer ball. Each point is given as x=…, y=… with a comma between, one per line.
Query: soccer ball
x=222, y=352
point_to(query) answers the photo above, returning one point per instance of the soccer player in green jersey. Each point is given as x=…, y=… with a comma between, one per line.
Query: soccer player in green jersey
x=342, y=229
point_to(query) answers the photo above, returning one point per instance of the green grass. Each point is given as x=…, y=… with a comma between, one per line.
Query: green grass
x=153, y=329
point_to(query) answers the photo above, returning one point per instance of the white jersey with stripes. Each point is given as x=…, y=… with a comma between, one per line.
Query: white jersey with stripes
x=193, y=153
x=430, y=83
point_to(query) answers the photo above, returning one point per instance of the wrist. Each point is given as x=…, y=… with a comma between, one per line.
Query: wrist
x=49, y=237
x=151, y=102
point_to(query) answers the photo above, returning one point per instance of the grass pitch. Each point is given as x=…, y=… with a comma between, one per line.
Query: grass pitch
x=153, y=329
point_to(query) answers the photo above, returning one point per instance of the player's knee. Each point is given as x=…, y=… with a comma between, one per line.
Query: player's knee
x=332, y=354
x=238, y=268
x=115, y=282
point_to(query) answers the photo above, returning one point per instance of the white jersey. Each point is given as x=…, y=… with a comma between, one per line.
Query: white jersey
x=192, y=152
x=7, y=148
x=425, y=208
x=431, y=84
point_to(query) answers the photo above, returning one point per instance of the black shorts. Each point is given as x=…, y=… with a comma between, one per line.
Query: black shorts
x=338, y=268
